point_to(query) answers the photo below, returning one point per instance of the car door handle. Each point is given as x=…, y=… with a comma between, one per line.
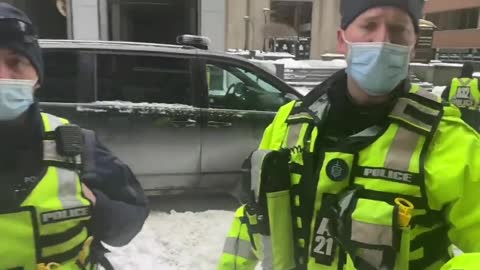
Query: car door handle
x=215, y=124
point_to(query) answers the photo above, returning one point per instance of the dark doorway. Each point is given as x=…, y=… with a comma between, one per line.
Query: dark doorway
x=159, y=21
x=46, y=17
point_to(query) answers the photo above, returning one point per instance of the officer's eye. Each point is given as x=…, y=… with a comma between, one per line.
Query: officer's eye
x=396, y=29
x=369, y=26
x=17, y=62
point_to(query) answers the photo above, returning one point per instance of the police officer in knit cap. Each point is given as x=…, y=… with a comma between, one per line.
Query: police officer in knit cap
x=62, y=192
x=365, y=172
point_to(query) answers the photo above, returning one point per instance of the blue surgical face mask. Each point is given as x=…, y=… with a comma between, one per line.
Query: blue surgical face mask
x=16, y=96
x=377, y=67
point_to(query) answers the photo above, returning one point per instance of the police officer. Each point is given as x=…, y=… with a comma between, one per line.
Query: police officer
x=465, y=94
x=368, y=171
x=62, y=191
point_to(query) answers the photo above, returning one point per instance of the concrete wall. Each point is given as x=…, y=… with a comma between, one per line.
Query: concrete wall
x=458, y=39
x=436, y=74
x=257, y=22
x=85, y=19
x=236, y=11
x=213, y=22
x=433, y=6
x=325, y=23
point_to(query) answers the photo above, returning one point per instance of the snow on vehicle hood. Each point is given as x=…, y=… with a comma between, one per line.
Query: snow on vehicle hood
x=131, y=107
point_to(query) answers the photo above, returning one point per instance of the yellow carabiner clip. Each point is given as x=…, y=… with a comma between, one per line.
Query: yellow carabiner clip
x=405, y=209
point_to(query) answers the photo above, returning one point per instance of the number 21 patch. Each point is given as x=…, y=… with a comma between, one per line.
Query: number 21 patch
x=323, y=248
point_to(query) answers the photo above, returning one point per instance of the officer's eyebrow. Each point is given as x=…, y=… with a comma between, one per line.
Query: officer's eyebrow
x=11, y=52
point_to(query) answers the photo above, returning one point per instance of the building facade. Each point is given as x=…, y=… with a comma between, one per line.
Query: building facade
x=317, y=20
x=236, y=24
x=457, y=22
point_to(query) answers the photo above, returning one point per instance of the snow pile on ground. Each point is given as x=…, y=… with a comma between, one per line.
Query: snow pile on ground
x=176, y=241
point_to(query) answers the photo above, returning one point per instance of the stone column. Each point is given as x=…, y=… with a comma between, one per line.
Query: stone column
x=257, y=22
x=213, y=22
x=478, y=23
x=85, y=18
x=325, y=23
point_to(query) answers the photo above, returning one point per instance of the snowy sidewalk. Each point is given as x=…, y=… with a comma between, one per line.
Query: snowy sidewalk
x=176, y=241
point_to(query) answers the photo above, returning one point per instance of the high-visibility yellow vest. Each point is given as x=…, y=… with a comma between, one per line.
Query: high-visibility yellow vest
x=49, y=228
x=464, y=93
x=288, y=224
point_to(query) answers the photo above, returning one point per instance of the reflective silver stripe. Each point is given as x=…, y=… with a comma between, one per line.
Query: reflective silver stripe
x=369, y=132
x=320, y=107
x=67, y=179
x=267, y=262
x=402, y=149
x=399, y=113
x=49, y=146
x=239, y=247
x=256, y=170
x=372, y=256
x=293, y=134
x=50, y=153
x=68, y=189
x=372, y=234
x=302, y=115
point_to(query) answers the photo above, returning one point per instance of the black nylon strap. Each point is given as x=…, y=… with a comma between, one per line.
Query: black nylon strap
x=64, y=256
x=418, y=114
x=54, y=239
x=65, y=165
x=296, y=168
x=431, y=218
x=390, y=197
x=425, y=101
x=435, y=247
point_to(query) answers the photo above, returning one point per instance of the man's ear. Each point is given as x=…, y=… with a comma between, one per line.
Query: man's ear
x=341, y=44
x=413, y=53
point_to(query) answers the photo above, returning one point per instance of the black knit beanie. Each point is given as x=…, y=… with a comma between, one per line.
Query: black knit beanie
x=18, y=34
x=351, y=9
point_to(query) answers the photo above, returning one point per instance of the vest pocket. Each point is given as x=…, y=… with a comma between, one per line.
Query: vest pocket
x=18, y=238
x=368, y=231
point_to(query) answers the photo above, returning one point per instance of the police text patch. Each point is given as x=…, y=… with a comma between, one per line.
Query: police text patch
x=66, y=214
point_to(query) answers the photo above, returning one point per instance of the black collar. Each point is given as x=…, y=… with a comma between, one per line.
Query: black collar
x=342, y=117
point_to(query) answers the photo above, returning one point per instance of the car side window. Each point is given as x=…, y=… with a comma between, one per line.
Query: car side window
x=139, y=78
x=231, y=87
x=62, y=82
